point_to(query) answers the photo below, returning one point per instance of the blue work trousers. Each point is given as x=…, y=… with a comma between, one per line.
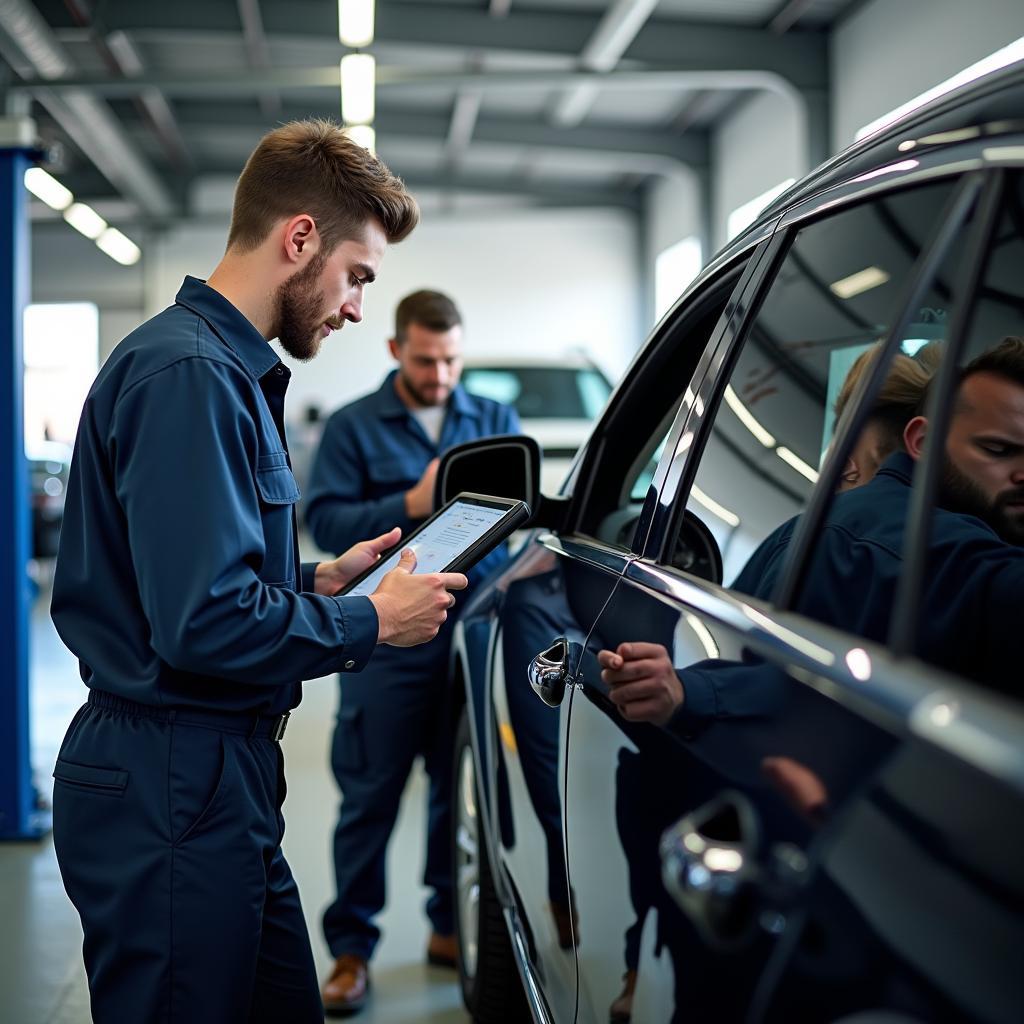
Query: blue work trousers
x=168, y=835
x=397, y=709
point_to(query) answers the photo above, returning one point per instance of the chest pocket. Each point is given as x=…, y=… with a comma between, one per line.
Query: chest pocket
x=278, y=494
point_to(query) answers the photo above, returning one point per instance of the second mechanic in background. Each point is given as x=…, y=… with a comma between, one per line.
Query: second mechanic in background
x=375, y=470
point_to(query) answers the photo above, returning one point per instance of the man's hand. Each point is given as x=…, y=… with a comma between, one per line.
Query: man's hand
x=412, y=608
x=419, y=500
x=333, y=576
x=643, y=682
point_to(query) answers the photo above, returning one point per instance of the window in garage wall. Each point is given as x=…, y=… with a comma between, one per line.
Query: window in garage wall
x=61, y=360
x=674, y=269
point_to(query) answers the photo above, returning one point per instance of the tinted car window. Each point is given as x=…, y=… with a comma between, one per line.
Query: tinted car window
x=969, y=593
x=834, y=295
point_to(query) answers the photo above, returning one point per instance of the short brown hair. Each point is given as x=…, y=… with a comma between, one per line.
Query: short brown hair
x=314, y=167
x=432, y=310
x=1005, y=360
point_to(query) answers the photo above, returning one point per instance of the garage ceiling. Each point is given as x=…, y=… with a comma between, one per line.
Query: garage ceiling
x=552, y=101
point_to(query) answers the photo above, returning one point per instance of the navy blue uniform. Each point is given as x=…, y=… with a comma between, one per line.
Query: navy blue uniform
x=372, y=452
x=970, y=608
x=179, y=589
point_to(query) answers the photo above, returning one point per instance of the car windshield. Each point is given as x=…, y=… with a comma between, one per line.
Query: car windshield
x=549, y=392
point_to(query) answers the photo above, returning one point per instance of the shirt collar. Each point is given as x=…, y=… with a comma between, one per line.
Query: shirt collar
x=390, y=406
x=899, y=465
x=229, y=324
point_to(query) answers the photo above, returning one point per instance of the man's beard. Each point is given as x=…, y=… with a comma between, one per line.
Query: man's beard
x=300, y=316
x=418, y=396
x=959, y=493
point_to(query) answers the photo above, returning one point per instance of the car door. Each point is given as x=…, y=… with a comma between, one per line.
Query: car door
x=555, y=590
x=691, y=840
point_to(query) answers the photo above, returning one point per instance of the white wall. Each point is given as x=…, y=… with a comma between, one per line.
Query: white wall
x=890, y=51
x=529, y=282
x=762, y=143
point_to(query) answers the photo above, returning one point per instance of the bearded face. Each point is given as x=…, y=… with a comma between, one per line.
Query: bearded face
x=1004, y=513
x=302, y=312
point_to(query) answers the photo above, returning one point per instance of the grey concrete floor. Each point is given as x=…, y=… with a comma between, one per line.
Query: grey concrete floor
x=42, y=979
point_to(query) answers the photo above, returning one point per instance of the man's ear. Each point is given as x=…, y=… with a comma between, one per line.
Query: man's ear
x=301, y=238
x=394, y=348
x=913, y=436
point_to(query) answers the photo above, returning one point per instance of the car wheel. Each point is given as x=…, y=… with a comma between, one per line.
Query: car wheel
x=491, y=988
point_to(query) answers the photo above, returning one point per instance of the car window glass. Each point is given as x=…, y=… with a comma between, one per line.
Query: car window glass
x=835, y=293
x=636, y=425
x=973, y=570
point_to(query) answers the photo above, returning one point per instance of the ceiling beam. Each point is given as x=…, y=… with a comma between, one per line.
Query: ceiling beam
x=612, y=37
x=396, y=78
x=85, y=118
x=257, y=49
x=691, y=149
x=800, y=58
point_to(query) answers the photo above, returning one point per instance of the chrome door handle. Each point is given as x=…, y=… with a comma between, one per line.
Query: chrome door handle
x=552, y=669
x=708, y=865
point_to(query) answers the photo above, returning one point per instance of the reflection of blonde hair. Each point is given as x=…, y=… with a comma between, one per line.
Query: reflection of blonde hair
x=901, y=392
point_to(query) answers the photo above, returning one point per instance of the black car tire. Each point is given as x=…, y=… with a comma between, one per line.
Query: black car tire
x=493, y=992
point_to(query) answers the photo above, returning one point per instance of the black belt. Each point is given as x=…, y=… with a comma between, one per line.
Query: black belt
x=246, y=723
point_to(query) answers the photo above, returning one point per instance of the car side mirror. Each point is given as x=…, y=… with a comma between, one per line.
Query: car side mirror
x=507, y=466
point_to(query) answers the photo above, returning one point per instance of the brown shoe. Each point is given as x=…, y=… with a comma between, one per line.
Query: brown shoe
x=442, y=950
x=621, y=1011
x=348, y=986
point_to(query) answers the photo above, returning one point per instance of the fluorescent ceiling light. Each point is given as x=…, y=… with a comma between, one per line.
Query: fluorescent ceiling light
x=355, y=22
x=863, y=281
x=714, y=508
x=119, y=247
x=44, y=186
x=745, y=215
x=363, y=135
x=745, y=417
x=85, y=219
x=797, y=463
x=999, y=59
x=358, y=75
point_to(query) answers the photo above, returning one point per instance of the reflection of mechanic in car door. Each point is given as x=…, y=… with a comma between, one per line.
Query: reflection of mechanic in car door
x=976, y=563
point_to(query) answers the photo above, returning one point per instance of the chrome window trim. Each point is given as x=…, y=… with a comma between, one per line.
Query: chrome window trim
x=903, y=694
x=587, y=549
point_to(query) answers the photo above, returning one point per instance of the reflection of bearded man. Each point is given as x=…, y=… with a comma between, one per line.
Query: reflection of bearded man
x=300, y=311
x=1005, y=514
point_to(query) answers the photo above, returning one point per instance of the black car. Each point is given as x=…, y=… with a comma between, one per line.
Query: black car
x=838, y=834
x=49, y=464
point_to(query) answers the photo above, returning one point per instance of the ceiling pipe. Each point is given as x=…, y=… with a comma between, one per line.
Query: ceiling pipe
x=80, y=113
x=616, y=30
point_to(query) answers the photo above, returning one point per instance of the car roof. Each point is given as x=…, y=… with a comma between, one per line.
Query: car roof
x=989, y=106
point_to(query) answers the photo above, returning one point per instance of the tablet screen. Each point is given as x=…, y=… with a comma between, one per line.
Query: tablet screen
x=460, y=526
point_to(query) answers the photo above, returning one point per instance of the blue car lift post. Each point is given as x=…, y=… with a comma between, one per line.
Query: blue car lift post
x=20, y=818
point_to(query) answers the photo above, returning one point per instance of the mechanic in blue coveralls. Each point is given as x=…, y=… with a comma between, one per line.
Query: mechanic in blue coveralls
x=179, y=588
x=376, y=469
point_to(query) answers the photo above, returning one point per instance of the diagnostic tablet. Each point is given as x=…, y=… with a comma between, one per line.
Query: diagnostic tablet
x=452, y=540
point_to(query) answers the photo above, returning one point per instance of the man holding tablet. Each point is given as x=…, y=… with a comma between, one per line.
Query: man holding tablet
x=178, y=586
x=375, y=469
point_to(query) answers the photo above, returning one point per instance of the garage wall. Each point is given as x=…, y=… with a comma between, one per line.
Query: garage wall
x=890, y=51
x=671, y=213
x=530, y=282
x=762, y=143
